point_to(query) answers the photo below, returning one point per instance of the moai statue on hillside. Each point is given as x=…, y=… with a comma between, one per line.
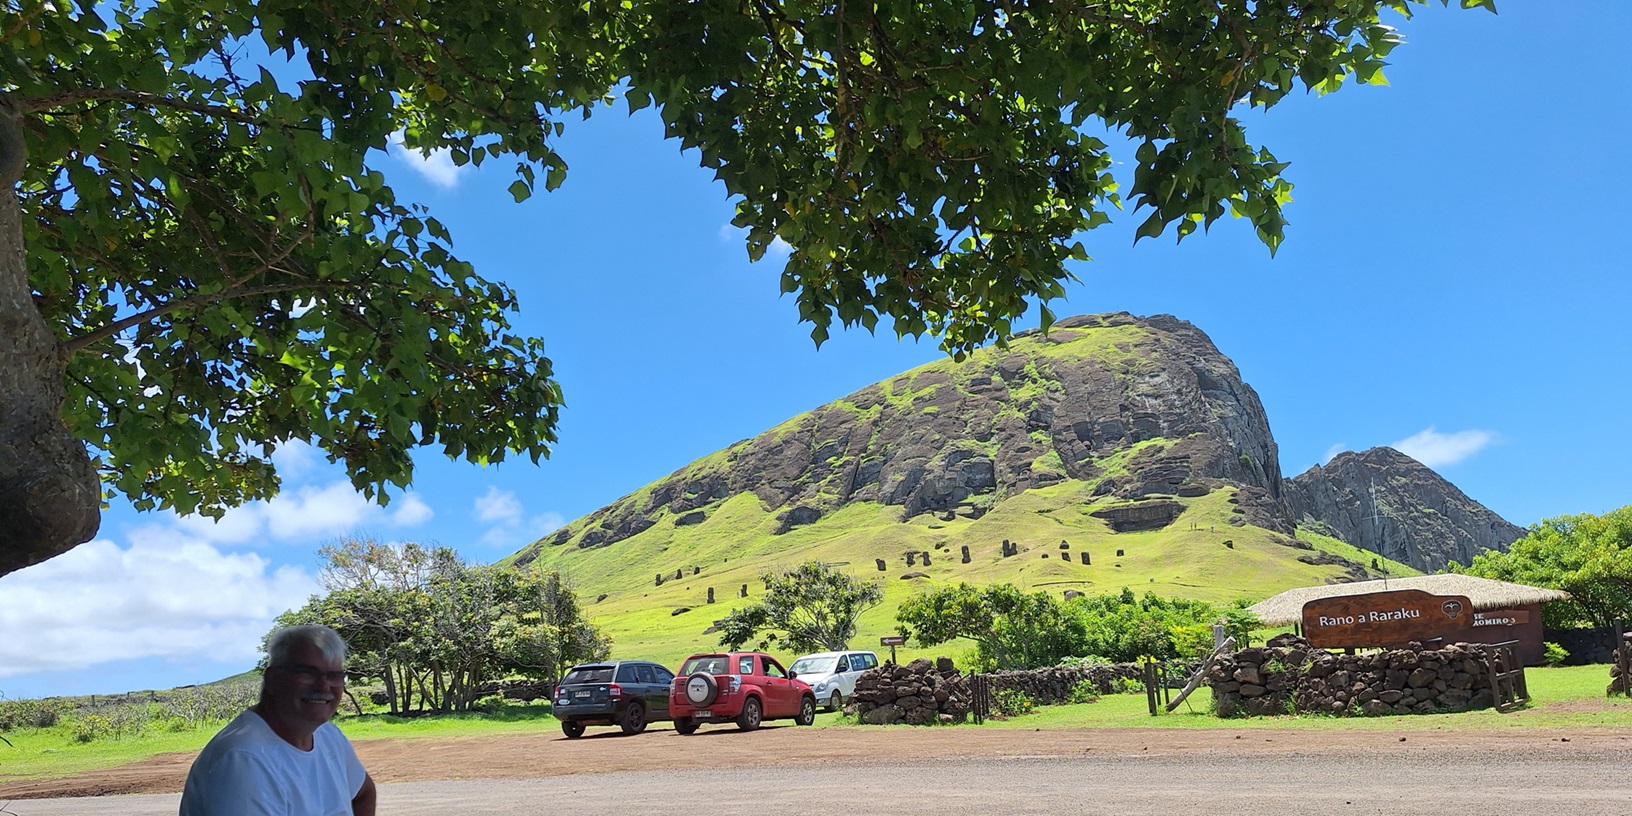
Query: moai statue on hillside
x=1085, y=561
x=926, y=558
x=966, y=553
x=912, y=558
x=881, y=565
x=1065, y=545
x=711, y=594
x=695, y=570
x=744, y=592
x=679, y=573
x=659, y=579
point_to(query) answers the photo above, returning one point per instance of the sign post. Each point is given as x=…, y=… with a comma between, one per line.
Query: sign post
x=893, y=641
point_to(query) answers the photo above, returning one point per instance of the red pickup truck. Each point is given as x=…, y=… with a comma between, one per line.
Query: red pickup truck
x=746, y=688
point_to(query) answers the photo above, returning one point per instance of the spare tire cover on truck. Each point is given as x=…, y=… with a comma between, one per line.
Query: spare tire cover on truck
x=701, y=689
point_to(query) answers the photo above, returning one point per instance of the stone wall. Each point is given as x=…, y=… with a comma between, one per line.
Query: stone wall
x=919, y=693
x=1290, y=676
x=1053, y=685
x=923, y=692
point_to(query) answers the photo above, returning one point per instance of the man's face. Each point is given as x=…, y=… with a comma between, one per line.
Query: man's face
x=305, y=690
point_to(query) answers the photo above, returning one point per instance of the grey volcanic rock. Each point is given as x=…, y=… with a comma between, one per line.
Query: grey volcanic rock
x=956, y=437
x=1386, y=502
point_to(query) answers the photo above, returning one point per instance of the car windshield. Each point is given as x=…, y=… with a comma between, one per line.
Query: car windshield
x=706, y=664
x=814, y=665
x=588, y=674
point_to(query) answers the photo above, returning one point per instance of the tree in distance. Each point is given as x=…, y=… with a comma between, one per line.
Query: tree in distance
x=1586, y=555
x=199, y=260
x=810, y=608
x=433, y=629
x=1015, y=629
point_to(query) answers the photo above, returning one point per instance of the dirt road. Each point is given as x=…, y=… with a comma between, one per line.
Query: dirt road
x=858, y=772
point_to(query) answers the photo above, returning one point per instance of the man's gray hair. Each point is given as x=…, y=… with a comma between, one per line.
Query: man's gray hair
x=327, y=642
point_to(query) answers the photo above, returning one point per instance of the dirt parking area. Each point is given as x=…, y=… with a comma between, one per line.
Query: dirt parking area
x=603, y=751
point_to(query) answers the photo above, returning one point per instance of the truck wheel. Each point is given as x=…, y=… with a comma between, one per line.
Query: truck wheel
x=573, y=730
x=685, y=725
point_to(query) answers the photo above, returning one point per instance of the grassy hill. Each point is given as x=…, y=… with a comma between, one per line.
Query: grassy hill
x=736, y=543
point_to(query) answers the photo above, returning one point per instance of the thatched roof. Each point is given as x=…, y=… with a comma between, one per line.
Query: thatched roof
x=1287, y=607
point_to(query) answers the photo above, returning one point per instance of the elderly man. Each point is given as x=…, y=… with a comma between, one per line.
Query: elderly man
x=283, y=756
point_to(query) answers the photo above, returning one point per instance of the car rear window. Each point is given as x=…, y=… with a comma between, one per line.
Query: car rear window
x=588, y=674
x=708, y=664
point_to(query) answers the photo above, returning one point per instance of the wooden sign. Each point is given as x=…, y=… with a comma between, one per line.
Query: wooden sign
x=893, y=640
x=1379, y=619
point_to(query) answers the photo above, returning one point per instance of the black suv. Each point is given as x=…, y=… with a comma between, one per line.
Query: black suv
x=625, y=693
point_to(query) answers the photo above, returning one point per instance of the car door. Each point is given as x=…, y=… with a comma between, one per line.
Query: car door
x=782, y=698
x=654, y=689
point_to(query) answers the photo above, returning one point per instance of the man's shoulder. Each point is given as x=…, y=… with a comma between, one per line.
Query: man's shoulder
x=247, y=731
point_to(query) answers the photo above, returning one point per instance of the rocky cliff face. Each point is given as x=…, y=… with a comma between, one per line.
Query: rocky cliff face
x=1138, y=406
x=1386, y=502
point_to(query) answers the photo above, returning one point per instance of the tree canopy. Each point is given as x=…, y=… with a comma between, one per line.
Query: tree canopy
x=809, y=608
x=1586, y=555
x=199, y=259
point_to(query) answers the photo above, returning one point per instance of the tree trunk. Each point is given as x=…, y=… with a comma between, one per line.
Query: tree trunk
x=50, y=493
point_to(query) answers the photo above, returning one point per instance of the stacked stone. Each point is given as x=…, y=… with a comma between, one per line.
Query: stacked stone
x=919, y=693
x=1053, y=685
x=1620, y=681
x=1290, y=676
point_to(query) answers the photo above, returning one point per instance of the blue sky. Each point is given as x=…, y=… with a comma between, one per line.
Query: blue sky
x=1450, y=285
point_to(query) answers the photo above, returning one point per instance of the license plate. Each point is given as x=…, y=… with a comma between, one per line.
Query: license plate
x=705, y=713
x=581, y=694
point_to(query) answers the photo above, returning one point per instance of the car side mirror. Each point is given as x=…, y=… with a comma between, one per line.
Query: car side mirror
x=793, y=675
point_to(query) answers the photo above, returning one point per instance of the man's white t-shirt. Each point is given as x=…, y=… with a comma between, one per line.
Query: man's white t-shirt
x=248, y=769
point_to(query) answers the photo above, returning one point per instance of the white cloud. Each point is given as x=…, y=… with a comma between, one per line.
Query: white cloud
x=166, y=595
x=510, y=525
x=296, y=459
x=1435, y=449
x=778, y=250
x=498, y=506
x=436, y=166
x=308, y=512
x=1333, y=451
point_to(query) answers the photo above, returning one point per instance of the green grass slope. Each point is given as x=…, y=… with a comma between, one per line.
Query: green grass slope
x=736, y=544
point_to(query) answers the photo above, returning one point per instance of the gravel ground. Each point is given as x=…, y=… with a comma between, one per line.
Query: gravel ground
x=858, y=772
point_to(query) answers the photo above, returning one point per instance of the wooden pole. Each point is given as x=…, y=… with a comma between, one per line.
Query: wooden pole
x=1201, y=674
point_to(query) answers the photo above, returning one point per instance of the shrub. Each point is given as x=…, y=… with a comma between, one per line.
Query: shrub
x=1554, y=654
x=1012, y=703
x=1083, y=692
x=29, y=713
x=90, y=727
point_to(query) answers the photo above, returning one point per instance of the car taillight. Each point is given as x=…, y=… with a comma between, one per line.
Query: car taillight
x=614, y=689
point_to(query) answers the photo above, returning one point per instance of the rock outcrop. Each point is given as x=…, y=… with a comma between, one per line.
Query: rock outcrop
x=1386, y=502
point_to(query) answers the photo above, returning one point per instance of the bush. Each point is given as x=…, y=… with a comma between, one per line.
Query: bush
x=29, y=713
x=1012, y=703
x=1083, y=692
x=1554, y=654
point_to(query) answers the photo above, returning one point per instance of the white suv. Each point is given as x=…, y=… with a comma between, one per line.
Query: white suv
x=832, y=675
